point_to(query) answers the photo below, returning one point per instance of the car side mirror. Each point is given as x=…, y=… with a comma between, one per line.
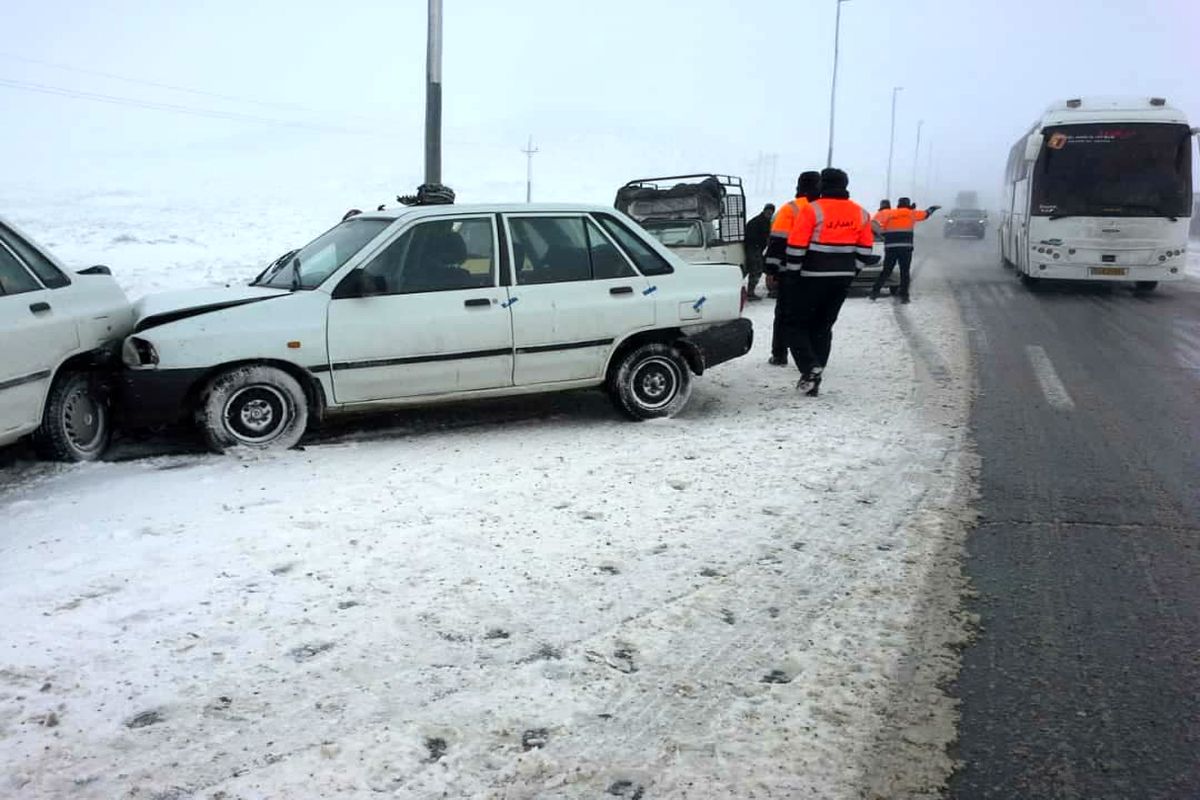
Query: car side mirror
x=99, y=269
x=355, y=284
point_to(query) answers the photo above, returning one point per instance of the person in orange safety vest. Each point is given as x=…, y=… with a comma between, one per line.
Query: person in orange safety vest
x=808, y=188
x=829, y=238
x=897, y=226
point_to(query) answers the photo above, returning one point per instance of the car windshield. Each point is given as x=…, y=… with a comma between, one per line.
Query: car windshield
x=676, y=233
x=966, y=213
x=324, y=255
x=1114, y=170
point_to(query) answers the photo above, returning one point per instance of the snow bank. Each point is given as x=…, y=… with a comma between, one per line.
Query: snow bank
x=548, y=602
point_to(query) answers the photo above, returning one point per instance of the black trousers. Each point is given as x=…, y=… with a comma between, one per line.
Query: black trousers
x=892, y=256
x=779, y=347
x=810, y=309
x=753, y=268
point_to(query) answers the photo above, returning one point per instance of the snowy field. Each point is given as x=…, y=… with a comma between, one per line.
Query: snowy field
x=511, y=600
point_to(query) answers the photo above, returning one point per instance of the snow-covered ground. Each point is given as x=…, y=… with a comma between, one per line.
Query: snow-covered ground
x=755, y=599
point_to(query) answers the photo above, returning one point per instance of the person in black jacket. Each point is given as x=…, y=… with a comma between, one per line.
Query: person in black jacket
x=758, y=231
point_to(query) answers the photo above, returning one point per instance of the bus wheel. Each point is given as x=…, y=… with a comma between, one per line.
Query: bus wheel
x=1029, y=280
x=1145, y=286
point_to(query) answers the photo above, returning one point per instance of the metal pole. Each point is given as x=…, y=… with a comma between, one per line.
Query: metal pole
x=433, y=96
x=929, y=168
x=917, y=157
x=837, y=34
x=892, y=142
x=529, y=151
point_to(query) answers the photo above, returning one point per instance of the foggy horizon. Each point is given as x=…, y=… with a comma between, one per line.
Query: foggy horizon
x=329, y=106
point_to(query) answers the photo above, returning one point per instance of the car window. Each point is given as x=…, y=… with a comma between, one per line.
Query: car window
x=676, y=233
x=51, y=275
x=607, y=260
x=550, y=250
x=14, y=278
x=648, y=262
x=436, y=256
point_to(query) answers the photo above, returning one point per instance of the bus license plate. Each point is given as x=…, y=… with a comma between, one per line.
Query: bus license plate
x=1109, y=270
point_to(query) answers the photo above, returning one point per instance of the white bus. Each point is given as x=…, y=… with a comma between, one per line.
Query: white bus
x=1100, y=189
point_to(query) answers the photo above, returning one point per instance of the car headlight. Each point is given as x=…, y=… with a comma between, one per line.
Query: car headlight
x=139, y=354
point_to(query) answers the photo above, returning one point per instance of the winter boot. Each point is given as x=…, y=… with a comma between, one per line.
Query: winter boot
x=778, y=361
x=809, y=381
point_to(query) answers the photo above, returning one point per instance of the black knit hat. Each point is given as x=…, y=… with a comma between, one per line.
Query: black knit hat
x=809, y=183
x=885, y=205
x=904, y=202
x=835, y=179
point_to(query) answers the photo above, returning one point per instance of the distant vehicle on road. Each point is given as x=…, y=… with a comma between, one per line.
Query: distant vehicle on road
x=422, y=305
x=965, y=222
x=701, y=218
x=58, y=332
x=1100, y=189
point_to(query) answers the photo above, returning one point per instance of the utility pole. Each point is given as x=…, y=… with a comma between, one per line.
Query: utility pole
x=892, y=142
x=433, y=96
x=529, y=152
x=837, y=34
x=929, y=168
x=917, y=156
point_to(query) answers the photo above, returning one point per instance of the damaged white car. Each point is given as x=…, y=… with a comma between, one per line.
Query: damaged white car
x=58, y=330
x=430, y=304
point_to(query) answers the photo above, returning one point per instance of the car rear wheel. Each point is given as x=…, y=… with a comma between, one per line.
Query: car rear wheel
x=650, y=382
x=76, y=424
x=1145, y=286
x=259, y=407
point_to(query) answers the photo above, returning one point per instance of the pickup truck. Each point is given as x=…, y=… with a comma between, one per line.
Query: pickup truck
x=430, y=304
x=701, y=217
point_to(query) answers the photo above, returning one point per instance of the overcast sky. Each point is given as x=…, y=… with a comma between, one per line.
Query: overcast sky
x=610, y=91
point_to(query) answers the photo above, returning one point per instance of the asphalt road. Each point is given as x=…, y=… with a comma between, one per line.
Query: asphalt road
x=1085, y=679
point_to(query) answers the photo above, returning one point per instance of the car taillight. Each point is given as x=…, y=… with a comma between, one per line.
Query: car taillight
x=743, y=305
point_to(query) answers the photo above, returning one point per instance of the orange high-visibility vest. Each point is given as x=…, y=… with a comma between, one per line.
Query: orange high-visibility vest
x=781, y=226
x=897, y=226
x=829, y=238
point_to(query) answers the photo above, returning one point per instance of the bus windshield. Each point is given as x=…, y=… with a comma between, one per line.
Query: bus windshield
x=1114, y=170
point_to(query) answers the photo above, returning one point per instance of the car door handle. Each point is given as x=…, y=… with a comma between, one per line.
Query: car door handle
x=621, y=290
x=38, y=308
x=478, y=301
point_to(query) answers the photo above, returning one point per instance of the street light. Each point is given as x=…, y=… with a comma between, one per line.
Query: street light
x=892, y=141
x=433, y=96
x=837, y=33
x=917, y=156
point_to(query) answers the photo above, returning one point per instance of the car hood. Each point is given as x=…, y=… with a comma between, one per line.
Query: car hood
x=159, y=309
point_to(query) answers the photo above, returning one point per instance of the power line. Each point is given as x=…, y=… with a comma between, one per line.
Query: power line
x=152, y=105
x=168, y=86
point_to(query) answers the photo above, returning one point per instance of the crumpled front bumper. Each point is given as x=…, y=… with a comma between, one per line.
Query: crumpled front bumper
x=153, y=397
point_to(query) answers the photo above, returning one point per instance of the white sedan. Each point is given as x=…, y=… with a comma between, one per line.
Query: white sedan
x=59, y=329
x=431, y=304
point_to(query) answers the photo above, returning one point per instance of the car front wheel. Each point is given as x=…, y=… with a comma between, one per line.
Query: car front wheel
x=76, y=424
x=258, y=407
x=651, y=381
